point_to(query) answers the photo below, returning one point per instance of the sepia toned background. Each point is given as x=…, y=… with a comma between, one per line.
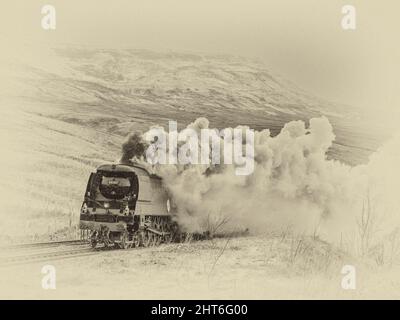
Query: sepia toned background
x=70, y=96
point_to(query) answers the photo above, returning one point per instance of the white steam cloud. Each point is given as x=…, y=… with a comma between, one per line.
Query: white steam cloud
x=293, y=185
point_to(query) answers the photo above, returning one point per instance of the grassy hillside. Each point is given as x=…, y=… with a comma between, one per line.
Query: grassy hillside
x=44, y=169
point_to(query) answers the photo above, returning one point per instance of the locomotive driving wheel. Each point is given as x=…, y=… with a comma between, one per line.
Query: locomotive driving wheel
x=124, y=241
x=93, y=239
x=167, y=238
x=159, y=240
x=136, y=240
x=154, y=241
x=93, y=243
x=147, y=239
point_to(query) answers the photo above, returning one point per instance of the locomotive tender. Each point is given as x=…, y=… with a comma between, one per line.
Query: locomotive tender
x=125, y=205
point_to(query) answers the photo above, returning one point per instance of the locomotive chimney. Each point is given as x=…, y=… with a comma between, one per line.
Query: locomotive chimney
x=125, y=160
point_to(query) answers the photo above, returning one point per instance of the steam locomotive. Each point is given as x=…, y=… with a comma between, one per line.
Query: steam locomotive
x=126, y=206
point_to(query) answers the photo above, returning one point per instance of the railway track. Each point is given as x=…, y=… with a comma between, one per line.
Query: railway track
x=54, y=250
x=43, y=244
x=43, y=257
x=44, y=251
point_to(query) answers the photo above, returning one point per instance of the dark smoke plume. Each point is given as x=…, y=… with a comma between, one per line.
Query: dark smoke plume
x=133, y=147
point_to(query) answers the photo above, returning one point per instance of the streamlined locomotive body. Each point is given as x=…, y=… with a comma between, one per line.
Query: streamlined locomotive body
x=125, y=205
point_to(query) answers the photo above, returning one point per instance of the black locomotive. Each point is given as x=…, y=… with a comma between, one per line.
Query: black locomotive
x=125, y=205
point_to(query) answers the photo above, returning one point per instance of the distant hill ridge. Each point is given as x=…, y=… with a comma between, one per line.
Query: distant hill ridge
x=123, y=90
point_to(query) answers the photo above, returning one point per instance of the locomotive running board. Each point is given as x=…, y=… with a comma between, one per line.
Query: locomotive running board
x=158, y=232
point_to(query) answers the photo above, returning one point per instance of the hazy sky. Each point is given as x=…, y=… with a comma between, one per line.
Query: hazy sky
x=300, y=39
